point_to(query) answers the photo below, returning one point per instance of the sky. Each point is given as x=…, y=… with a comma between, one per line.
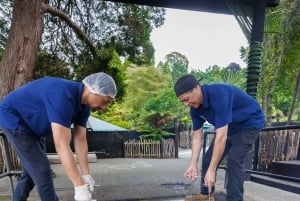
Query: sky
x=205, y=39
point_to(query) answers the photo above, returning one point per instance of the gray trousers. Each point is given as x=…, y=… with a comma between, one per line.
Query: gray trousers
x=237, y=147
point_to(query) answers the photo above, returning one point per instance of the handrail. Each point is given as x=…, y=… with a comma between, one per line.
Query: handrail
x=280, y=127
x=256, y=150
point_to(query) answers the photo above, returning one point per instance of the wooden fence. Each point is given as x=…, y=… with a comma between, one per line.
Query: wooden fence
x=149, y=149
x=279, y=144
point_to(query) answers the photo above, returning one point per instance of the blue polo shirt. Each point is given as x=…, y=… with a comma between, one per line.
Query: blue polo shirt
x=227, y=105
x=35, y=105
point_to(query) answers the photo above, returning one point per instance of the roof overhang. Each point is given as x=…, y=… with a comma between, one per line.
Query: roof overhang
x=213, y=6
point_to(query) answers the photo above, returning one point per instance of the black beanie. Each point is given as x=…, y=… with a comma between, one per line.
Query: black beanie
x=184, y=84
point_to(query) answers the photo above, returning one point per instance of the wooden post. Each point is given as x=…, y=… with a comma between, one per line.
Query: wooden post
x=176, y=137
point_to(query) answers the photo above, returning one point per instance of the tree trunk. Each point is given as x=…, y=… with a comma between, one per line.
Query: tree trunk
x=16, y=66
x=295, y=96
x=269, y=111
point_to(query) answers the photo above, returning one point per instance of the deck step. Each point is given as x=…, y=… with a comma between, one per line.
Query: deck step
x=54, y=158
x=286, y=168
x=283, y=184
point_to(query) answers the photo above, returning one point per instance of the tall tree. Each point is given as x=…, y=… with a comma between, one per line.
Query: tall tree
x=290, y=71
x=73, y=28
x=178, y=64
x=276, y=41
x=16, y=66
x=143, y=83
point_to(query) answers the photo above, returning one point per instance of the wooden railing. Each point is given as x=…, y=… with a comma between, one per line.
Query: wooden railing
x=277, y=144
x=149, y=149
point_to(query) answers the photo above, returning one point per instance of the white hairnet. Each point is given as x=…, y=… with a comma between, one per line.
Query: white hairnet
x=101, y=84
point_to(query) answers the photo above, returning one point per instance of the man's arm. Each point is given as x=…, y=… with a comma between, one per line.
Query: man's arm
x=192, y=171
x=219, y=147
x=81, y=148
x=196, y=146
x=62, y=138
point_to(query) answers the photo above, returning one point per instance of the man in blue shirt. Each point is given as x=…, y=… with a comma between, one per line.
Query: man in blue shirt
x=237, y=118
x=50, y=106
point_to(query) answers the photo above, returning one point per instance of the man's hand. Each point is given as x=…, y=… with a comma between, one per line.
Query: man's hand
x=82, y=193
x=210, y=179
x=191, y=173
x=88, y=179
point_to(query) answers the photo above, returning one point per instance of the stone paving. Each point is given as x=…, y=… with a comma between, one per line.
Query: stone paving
x=125, y=179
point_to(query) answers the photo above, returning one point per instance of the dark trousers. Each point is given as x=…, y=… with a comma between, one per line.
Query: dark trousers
x=237, y=147
x=36, y=166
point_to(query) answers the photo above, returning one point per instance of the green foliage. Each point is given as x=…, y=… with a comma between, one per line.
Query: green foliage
x=178, y=64
x=230, y=75
x=124, y=28
x=244, y=54
x=282, y=101
x=157, y=120
x=117, y=70
x=5, y=18
x=237, y=78
x=112, y=29
x=51, y=65
x=211, y=75
x=165, y=68
x=137, y=26
x=280, y=57
x=115, y=115
x=143, y=83
x=185, y=119
x=166, y=101
x=152, y=123
x=108, y=62
x=154, y=135
x=121, y=36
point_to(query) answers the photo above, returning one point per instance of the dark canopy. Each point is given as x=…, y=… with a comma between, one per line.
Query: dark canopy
x=213, y=6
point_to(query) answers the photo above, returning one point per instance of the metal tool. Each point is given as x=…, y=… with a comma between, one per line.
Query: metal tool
x=192, y=186
x=208, y=193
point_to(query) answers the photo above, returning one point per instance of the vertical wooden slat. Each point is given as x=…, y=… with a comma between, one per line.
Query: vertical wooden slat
x=149, y=149
x=277, y=145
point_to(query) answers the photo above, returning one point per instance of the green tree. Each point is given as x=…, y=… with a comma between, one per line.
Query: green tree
x=237, y=78
x=230, y=75
x=178, y=64
x=72, y=30
x=50, y=65
x=23, y=41
x=166, y=101
x=143, y=83
x=151, y=126
x=115, y=115
x=211, y=75
x=277, y=55
x=290, y=71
